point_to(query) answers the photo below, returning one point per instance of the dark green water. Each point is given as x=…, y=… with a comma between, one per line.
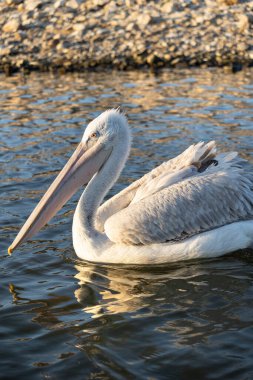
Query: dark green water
x=61, y=318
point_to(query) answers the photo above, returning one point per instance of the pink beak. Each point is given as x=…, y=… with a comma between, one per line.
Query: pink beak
x=78, y=171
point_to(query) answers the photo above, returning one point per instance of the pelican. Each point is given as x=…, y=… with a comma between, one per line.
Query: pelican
x=197, y=205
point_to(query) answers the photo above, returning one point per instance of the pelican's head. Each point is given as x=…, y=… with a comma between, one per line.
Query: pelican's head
x=105, y=129
x=97, y=143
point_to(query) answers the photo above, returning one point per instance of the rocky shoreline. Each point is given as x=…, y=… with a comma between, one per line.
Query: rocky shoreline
x=75, y=35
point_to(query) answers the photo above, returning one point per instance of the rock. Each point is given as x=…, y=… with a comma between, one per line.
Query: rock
x=143, y=20
x=242, y=23
x=11, y=26
x=241, y=46
x=5, y=51
x=21, y=7
x=228, y=2
x=17, y=36
x=30, y=5
x=59, y=3
x=13, y=2
x=167, y=7
x=73, y=4
x=80, y=27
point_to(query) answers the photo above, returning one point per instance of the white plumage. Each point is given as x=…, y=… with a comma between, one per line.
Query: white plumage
x=199, y=204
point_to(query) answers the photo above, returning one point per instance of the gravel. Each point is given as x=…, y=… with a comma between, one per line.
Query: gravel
x=81, y=34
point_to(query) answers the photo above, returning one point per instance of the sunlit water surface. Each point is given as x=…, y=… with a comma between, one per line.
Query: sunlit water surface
x=61, y=318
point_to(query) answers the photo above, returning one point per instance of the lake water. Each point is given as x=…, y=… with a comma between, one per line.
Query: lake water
x=61, y=318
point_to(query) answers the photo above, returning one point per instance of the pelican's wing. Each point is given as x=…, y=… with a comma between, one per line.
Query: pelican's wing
x=221, y=195
x=166, y=174
x=162, y=181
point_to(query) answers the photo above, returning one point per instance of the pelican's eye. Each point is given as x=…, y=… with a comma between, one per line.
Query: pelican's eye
x=94, y=135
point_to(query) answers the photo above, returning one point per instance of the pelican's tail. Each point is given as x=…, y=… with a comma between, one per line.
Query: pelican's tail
x=200, y=154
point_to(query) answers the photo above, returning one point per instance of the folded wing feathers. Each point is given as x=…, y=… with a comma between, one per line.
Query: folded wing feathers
x=222, y=194
x=121, y=200
x=175, y=170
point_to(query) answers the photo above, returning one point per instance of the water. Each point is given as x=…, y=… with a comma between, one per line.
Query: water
x=60, y=317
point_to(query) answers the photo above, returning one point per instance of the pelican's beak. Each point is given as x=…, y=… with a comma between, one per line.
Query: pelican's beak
x=78, y=171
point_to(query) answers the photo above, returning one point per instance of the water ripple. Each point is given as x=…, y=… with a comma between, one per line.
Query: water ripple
x=63, y=318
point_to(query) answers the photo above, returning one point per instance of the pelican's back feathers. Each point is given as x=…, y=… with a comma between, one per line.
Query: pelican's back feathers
x=221, y=195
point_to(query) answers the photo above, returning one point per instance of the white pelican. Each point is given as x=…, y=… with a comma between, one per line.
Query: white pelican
x=198, y=204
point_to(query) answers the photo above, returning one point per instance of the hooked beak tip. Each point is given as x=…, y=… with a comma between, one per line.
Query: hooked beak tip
x=10, y=250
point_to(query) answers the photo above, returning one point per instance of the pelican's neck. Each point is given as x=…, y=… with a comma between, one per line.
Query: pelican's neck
x=98, y=187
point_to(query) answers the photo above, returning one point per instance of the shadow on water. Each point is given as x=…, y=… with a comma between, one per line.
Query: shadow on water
x=60, y=317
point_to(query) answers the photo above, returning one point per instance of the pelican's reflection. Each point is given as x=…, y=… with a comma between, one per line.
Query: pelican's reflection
x=187, y=302
x=123, y=290
x=109, y=290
